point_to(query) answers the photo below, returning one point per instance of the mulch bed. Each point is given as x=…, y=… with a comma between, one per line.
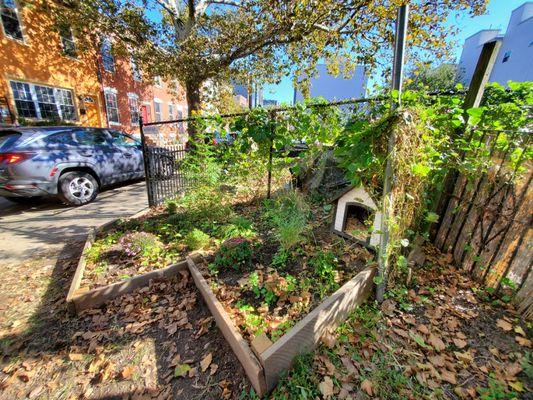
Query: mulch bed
x=232, y=287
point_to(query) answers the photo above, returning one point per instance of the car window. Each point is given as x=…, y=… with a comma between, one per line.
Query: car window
x=60, y=138
x=121, y=139
x=8, y=138
x=91, y=137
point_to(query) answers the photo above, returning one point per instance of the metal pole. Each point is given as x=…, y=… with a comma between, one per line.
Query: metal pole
x=397, y=80
x=145, y=161
x=270, y=151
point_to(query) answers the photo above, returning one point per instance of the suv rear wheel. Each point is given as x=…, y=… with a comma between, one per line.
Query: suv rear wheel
x=77, y=188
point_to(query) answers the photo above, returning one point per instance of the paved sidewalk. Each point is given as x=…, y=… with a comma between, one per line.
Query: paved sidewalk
x=45, y=227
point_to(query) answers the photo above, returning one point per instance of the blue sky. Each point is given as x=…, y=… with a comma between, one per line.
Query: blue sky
x=496, y=17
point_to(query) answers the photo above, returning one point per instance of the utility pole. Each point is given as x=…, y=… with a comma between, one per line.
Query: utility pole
x=387, y=201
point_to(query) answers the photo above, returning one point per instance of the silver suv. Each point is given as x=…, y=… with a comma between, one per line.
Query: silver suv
x=72, y=163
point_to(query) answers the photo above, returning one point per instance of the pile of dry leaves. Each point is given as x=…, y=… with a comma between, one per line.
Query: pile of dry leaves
x=157, y=343
x=438, y=339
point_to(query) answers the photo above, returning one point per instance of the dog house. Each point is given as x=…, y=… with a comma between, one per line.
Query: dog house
x=357, y=216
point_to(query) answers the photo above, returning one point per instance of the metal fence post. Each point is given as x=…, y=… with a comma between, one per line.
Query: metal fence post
x=146, y=164
x=397, y=72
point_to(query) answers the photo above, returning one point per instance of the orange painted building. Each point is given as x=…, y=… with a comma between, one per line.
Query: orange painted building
x=43, y=76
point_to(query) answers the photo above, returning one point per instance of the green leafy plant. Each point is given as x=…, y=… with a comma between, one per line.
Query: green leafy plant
x=197, y=240
x=234, y=253
x=288, y=215
x=324, y=266
x=496, y=391
x=172, y=207
x=238, y=227
x=144, y=244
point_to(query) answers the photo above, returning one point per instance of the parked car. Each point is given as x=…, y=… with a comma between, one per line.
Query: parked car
x=72, y=163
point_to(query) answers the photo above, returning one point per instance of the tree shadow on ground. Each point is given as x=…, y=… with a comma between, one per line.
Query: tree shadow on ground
x=128, y=348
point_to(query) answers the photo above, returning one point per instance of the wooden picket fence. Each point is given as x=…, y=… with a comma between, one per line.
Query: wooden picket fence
x=487, y=225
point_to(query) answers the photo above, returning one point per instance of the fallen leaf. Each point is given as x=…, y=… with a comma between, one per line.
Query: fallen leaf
x=181, y=370
x=459, y=343
x=388, y=307
x=214, y=368
x=506, y=326
x=75, y=357
x=448, y=376
x=329, y=340
x=436, y=342
x=522, y=341
x=437, y=361
x=518, y=386
x=423, y=328
x=366, y=385
x=127, y=372
x=326, y=387
x=519, y=330
x=465, y=357
x=206, y=362
x=35, y=392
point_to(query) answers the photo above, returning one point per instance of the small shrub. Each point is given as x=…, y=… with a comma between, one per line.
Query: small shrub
x=280, y=258
x=141, y=244
x=235, y=253
x=288, y=215
x=172, y=207
x=238, y=227
x=197, y=240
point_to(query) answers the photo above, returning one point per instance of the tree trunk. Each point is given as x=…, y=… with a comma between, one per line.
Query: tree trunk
x=194, y=103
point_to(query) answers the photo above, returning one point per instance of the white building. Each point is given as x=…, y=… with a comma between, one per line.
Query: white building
x=515, y=58
x=336, y=87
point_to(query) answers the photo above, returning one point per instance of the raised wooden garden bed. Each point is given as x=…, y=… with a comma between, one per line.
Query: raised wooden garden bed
x=80, y=299
x=265, y=366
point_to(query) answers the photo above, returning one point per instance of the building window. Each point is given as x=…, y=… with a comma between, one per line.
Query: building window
x=107, y=57
x=134, y=109
x=43, y=102
x=10, y=19
x=135, y=69
x=506, y=56
x=46, y=102
x=157, y=109
x=170, y=112
x=66, y=104
x=157, y=81
x=181, y=125
x=23, y=100
x=67, y=40
x=111, y=105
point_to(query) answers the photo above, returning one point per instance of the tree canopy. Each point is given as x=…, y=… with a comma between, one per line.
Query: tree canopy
x=438, y=79
x=195, y=41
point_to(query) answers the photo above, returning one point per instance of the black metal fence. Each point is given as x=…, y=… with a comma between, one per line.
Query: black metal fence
x=163, y=162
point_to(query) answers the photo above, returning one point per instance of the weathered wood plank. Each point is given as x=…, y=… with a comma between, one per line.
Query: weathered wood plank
x=306, y=334
x=82, y=263
x=97, y=297
x=446, y=219
x=249, y=361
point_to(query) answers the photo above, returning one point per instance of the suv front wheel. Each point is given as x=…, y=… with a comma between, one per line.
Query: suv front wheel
x=77, y=188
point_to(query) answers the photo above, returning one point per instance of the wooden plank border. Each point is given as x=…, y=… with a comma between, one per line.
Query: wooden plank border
x=265, y=369
x=72, y=297
x=252, y=366
x=306, y=334
x=97, y=297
